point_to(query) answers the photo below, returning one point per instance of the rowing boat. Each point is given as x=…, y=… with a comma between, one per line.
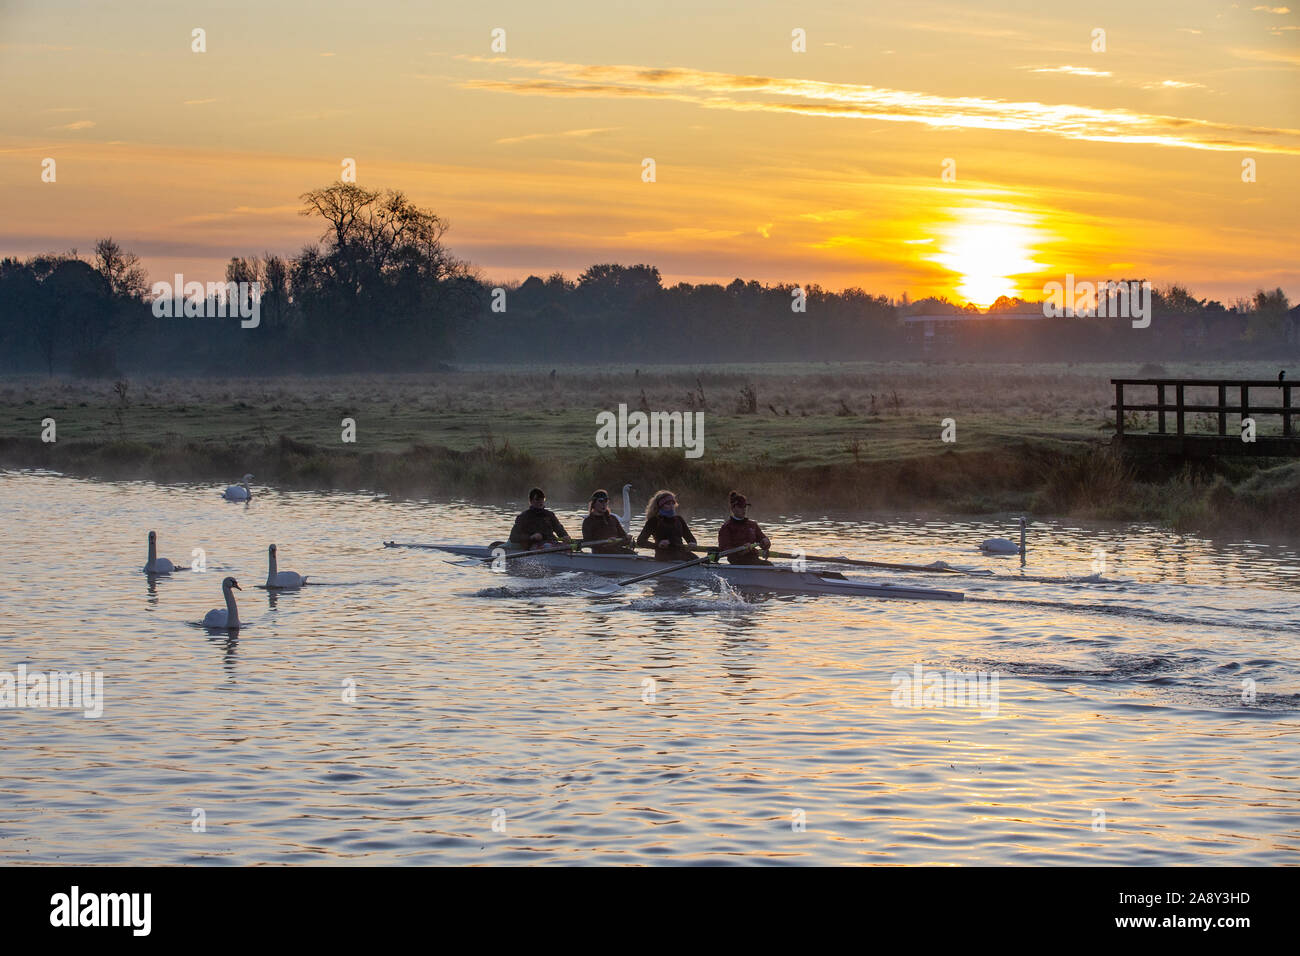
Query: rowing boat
x=747, y=577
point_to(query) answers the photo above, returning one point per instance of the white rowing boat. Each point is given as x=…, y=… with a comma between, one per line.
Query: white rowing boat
x=746, y=577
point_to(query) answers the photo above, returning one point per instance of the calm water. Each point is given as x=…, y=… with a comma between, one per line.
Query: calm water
x=671, y=724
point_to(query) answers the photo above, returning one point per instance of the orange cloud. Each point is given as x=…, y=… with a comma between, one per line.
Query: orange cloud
x=742, y=93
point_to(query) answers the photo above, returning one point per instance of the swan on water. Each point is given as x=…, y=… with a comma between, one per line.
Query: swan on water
x=239, y=492
x=1003, y=546
x=281, y=579
x=155, y=564
x=627, y=508
x=227, y=617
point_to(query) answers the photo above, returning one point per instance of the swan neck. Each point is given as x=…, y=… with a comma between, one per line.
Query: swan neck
x=271, y=557
x=153, y=551
x=232, y=612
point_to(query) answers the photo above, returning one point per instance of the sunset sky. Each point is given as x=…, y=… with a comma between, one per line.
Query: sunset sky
x=822, y=166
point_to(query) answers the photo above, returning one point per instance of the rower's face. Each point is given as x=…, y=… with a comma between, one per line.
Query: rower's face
x=600, y=506
x=739, y=510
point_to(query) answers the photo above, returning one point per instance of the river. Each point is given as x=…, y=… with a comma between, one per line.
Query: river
x=402, y=709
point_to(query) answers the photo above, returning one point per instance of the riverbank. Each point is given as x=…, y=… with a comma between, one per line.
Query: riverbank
x=865, y=438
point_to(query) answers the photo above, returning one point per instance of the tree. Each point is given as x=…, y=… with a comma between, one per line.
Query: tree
x=125, y=276
x=381, y=263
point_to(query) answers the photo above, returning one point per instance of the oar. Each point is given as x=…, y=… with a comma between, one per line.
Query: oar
x=568, y=547
x=475, y=562
x=937, y=568
x=711, y=556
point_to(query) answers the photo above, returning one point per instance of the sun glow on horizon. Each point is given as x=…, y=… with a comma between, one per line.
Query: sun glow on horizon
x=987, y=247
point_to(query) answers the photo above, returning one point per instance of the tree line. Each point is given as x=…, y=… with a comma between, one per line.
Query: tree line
x=381, y=291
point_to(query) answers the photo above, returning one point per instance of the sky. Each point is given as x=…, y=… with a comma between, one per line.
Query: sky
x=969, y=149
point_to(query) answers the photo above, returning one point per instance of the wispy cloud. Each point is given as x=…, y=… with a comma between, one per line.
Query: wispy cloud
x=750, y=93
x=212, y=99
x=241, y=212
x=1072, y=70
x=79, y=124
x=1277, y=10
x=565, y=133
x=1271, y=56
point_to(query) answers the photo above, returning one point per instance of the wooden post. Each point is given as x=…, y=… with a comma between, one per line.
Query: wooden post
x=1119, y=409
x=1179, y=389
x=1223, y=405
x=1160, y=400
x=1286, y=414
x=1245, y=403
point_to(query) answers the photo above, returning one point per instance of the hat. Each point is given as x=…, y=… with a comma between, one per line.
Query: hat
x=600, y=493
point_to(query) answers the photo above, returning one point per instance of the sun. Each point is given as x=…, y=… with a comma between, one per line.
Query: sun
x=986, y=247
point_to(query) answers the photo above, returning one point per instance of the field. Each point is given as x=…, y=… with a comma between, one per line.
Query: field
x=819, y=436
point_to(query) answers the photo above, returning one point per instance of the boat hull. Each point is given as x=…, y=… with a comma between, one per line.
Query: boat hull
x=747, y=577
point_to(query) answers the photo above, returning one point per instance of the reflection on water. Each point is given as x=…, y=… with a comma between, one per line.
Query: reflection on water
x=384, y=715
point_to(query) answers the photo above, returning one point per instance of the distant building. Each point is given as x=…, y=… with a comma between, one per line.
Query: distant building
x=938, y=333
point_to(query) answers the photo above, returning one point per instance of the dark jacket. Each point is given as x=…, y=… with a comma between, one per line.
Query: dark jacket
x=672, y=530
x=598, y=528
x=735, y=533
x=537, y=521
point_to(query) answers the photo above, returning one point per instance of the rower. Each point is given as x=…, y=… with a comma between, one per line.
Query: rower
x=741, y=529
x=537, y=527
x=667, y=528
x=600, y=524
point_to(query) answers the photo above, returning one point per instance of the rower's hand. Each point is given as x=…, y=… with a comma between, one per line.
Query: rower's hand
x=535, y=537
x=662, y=544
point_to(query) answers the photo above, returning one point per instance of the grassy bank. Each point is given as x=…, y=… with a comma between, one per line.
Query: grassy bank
x=1029, y=438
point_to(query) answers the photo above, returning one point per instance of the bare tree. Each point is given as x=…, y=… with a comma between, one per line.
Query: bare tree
x=122, y=270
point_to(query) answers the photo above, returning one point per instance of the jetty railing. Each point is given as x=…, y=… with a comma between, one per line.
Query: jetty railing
x=1246, y=398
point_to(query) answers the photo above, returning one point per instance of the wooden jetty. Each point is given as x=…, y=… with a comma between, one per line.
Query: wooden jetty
x=1262, y=400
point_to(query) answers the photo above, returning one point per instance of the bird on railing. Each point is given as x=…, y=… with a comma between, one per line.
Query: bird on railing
x=1281, y=375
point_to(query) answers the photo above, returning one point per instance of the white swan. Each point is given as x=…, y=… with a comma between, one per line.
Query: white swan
x=229, y=616
x=281, y=579
x=627, y=508
x=1003, y=546
x=155, y=564
x=239, y=492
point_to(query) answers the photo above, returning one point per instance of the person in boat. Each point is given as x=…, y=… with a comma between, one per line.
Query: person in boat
x=741, y=529
x=601, y=523
x=667, y=528
x=537, y=527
